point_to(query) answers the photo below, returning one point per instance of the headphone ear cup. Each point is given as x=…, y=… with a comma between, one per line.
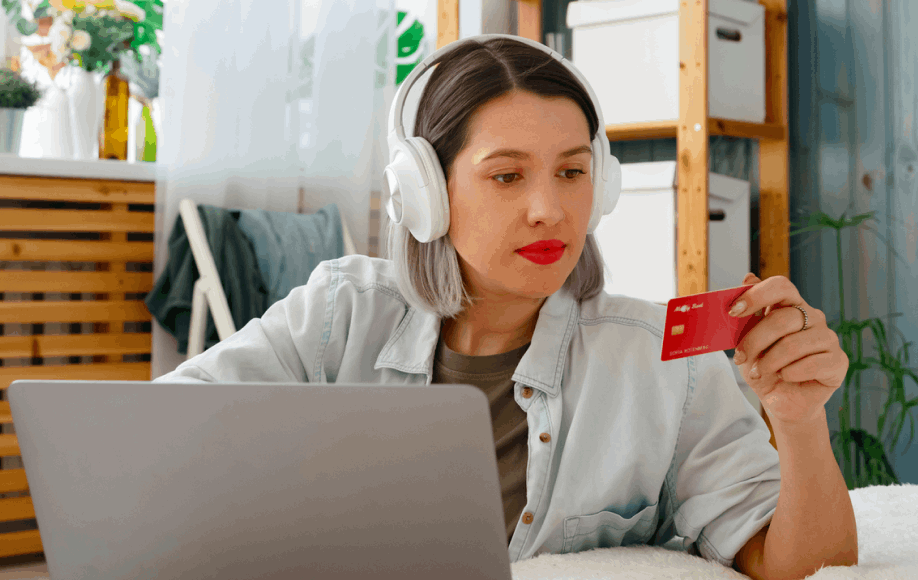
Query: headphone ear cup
x=434, y=214
x=605, y=191
x=613, y=185
x=599, y=186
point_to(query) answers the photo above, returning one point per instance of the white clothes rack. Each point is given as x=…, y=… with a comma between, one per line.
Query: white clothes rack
x=208, y=290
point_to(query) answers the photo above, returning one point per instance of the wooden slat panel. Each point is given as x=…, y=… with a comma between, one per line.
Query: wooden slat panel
x=9, y=445
x=16, y=543
x=89, y=282
x=6, y=416
x=75, y=251
x=693, y=156
x=74, y=311
x=80, y=190
x=41, y=346
x=72, y=220
x=13, y=509
x=13, y=480
x=447, y=22
x=135, y=371
x=529, y=19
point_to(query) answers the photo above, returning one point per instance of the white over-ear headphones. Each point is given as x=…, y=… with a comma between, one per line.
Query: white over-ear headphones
x=414, y=180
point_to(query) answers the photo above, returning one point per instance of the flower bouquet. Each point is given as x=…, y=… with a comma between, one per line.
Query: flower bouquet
x=89, y=38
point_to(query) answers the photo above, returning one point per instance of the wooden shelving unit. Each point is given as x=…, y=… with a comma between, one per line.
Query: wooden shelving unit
x=693, y=130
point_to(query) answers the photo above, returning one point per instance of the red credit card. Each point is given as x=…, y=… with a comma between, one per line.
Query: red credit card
x=701, y=323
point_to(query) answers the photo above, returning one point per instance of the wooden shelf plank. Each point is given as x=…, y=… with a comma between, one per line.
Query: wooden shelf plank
x=136, y=371
x=13, y=480
x=41, y=312
x=79, y=190
x=73, y=220
x=6, y=416
x=75, y=282
x=9, y=445
x=14, y=509
x=75, y=251
x=75, y=345
x=17, y=543
x=668, y=130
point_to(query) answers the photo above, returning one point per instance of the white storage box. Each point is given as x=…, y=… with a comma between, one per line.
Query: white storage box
x=638, y=239
x=629, y=52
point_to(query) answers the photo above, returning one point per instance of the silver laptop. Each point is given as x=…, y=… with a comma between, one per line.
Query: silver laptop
x=134, y=480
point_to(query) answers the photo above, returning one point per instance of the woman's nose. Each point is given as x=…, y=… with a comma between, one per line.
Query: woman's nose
x=545, y=205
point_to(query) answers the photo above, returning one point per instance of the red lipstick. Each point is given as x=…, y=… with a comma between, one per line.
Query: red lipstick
x=543, y=252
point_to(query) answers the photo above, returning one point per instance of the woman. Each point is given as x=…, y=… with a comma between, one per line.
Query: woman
x=599, y=443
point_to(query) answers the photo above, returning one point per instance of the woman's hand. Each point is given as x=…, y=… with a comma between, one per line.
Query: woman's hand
x=793, y=371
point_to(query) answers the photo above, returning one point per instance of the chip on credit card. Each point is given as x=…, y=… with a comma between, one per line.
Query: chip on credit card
x=701, y=323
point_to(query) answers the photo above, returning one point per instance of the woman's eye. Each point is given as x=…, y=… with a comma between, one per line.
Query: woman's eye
x=566, y=171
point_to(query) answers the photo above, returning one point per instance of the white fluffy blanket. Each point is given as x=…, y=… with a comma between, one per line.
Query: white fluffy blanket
x=887, y=538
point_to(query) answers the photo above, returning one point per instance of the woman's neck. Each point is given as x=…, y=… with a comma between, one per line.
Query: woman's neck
x=484, y=329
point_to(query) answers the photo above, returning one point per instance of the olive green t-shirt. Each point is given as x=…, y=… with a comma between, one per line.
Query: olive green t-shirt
x=492, y=374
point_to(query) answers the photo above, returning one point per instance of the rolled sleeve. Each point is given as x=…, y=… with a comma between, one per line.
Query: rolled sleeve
x=271, y=348
x=725, y=476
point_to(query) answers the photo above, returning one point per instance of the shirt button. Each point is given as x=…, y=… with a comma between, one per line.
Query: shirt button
x=545, y=437
x=527, y=518
x=527, y=392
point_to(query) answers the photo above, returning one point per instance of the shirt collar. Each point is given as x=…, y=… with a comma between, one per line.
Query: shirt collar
x=412, y=346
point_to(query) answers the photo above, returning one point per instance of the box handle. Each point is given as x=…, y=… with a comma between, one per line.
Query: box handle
x=716, y=215
x=727, y=34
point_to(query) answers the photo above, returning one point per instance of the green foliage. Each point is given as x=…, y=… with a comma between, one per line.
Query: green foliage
x=13, y=10
x=16, y=92
x=409, y=42
x=861, y=455
x=145, y=30
x=110, y=36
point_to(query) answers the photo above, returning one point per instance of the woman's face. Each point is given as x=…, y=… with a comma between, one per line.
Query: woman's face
x=523, y=178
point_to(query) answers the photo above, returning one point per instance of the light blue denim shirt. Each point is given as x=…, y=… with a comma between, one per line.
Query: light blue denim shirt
x=639, y=450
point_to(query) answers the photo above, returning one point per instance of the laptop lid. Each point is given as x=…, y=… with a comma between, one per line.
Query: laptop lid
x=134, y=480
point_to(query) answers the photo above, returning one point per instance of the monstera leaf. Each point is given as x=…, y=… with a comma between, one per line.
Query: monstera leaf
x=410, y=36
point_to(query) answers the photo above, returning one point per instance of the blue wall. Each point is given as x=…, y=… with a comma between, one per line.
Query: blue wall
x=853, y=108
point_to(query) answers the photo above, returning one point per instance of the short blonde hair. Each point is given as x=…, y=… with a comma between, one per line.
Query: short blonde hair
x=474, y=74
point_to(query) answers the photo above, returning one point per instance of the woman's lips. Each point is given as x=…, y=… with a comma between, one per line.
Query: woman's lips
x=542, y=257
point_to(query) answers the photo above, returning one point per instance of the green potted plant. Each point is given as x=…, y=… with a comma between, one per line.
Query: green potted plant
x=863, y=453
x=16, y=95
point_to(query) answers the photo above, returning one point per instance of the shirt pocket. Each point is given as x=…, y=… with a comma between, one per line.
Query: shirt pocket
x=608, y=529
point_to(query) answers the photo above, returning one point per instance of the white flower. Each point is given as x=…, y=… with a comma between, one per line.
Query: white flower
x=59, y=35
x=89, y=9
x=81, y=40
x=131, y=10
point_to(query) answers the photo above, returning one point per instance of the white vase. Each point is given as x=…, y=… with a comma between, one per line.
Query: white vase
x=86, y=107
x=46, y=127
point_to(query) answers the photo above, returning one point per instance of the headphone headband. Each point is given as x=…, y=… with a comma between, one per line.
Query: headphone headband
x=414, y=180
x=396, y=120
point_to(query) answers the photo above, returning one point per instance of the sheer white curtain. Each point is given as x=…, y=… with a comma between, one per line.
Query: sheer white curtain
x=276, y=105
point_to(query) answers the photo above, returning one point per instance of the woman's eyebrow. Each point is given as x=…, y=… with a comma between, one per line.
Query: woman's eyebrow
x=517, y=154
